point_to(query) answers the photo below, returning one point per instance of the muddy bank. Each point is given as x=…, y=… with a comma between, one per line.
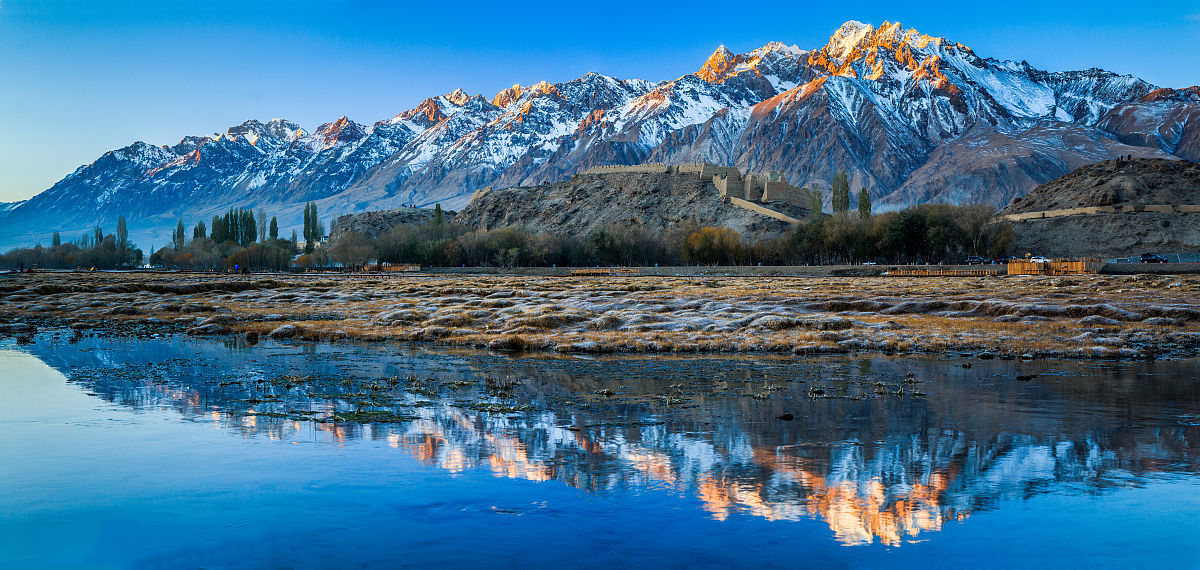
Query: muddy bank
x=1100, y=316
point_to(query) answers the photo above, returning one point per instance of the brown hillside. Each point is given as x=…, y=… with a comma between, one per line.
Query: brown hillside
x=1130, y=186
x=657, y=201
x=1118, y=182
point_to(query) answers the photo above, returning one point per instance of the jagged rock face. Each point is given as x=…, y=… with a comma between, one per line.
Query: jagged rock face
x=986, y=165
x=914, y=118
x=1166, y=119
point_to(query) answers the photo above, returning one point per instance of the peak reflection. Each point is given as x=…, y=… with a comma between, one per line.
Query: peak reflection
x=875, y=468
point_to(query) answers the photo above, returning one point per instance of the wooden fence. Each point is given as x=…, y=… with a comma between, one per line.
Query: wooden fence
x=1055, y=267
x=603, y=271
x=399, y=267
x=936, y=272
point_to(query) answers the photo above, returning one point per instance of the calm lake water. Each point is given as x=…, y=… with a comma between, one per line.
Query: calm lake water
x=172, y=453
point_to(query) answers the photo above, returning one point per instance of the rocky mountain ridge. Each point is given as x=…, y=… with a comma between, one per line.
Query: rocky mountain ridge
x=914, y=118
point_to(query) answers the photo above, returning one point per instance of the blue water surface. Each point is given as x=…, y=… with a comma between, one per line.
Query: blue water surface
x=164, y=467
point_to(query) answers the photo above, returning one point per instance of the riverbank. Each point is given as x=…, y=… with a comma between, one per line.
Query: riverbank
x=1089, y=316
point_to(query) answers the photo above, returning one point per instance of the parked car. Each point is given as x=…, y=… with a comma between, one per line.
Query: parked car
x=1153, y=258
x=976, y=260
x=1039, y=259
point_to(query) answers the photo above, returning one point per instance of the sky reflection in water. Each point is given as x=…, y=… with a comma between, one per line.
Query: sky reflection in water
x=648, y=439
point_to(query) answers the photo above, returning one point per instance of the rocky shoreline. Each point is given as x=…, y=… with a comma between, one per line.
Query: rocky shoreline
x=1077, y=317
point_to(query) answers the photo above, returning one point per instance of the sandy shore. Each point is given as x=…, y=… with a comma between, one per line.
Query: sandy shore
x=1098, y=316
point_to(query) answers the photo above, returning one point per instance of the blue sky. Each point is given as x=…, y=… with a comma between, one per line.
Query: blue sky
x=80, y=78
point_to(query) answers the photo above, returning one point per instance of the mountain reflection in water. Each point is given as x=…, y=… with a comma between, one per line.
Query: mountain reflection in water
x=875, y=466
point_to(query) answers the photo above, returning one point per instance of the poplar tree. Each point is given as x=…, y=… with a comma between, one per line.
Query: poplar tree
x=199, y=232
x=218, y=230
x=841, y=192
x=232, y=232
x=261, y=222
x=864, y=204
x=177, y=238
x=55, y=240
x=274, y=229
x=308, y=227
x=247, y=232
x=122, y=234
x=313, y=231
x=438, y=216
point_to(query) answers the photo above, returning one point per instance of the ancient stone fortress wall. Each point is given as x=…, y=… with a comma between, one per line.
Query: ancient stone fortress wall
x=753, y=187
x=651, y=168
x=762, y=210
x=1093, y=210
x=770, y=187
x=779, y=191
x=730, y=186
x=706, y=170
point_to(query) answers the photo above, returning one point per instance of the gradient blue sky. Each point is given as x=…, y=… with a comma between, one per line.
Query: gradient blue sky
x=80, y=78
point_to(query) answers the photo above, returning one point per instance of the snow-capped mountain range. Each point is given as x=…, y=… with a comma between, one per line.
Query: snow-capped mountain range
x=913, y=118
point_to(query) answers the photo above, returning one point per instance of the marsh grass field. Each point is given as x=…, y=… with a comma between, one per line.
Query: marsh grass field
x=1090, y=316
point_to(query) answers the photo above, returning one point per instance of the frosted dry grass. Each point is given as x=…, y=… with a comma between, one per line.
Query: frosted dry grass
x=1081, y=317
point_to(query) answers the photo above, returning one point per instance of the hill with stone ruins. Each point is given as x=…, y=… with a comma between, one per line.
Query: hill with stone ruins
x=654, y=197
x=1114, y=208
x=379, y=223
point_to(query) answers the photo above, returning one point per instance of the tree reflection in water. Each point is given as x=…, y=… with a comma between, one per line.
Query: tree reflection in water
x=881, y=449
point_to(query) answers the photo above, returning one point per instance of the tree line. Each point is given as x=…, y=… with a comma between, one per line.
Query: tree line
x=92, y=250
x=243, y=239
x=928, y=233
x=239, y=239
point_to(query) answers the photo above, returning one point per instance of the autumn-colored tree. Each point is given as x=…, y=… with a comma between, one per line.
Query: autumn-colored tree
x=710, y=245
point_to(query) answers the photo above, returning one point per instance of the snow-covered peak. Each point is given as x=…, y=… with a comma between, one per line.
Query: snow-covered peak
x=188, y=144
x=717, y=64
x=543, y=88
x=275, y=132
x=457, y=97
x=506, y=97
x=777, y=62
x=855, y=41
x=778, y=48
x=893, y=33
x=846, y=38
x=140, y=155
x=341, y=131
x=434, y=110
x=284, y=129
